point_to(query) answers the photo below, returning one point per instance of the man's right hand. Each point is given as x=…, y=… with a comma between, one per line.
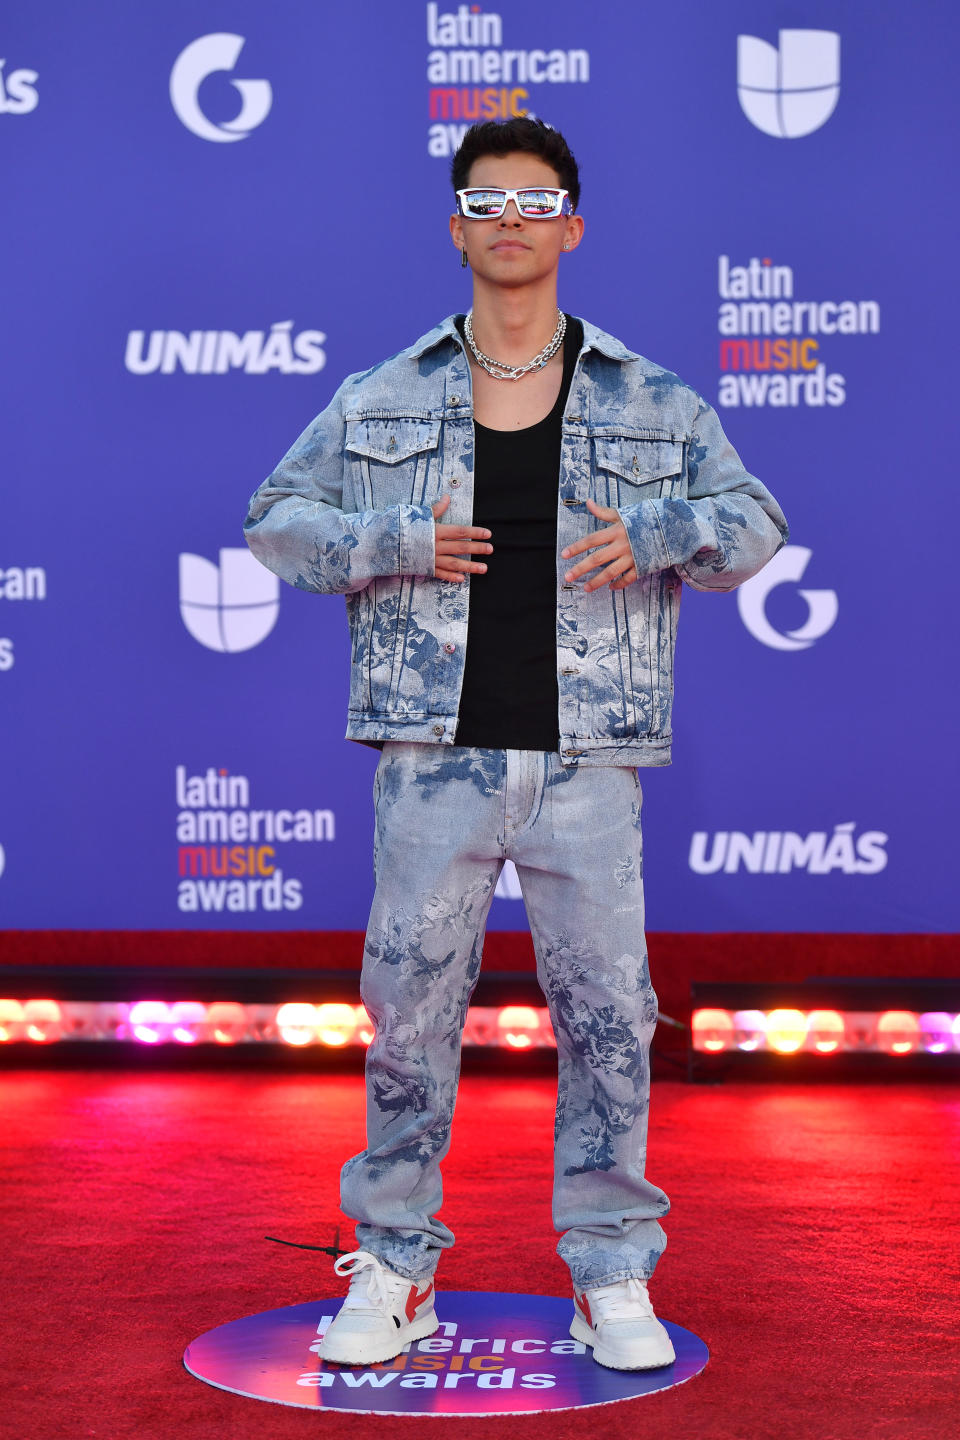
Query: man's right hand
x=453, y=545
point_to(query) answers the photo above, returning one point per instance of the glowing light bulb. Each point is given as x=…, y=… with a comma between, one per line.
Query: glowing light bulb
x=518, y=1026
x=150, y=1021
x=336, y=1024
x=712, y=1030
x=43, y=1020
x=297, y=1023
x=786, y=1031
x=749, y=1029
x=226, y=1022
x=188, y=1021
x=825, y=1030
x=898, y=1032
x=364, y=1024
x=936, y=1032
x=11, y=1020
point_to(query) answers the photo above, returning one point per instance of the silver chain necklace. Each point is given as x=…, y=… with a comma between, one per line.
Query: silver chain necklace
x=500, y=371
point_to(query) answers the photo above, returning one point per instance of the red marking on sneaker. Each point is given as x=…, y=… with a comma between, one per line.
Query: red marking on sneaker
x=416, y=1298
x=584, y=1304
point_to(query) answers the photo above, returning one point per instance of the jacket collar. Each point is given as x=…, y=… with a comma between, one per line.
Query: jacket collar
x=593, y=339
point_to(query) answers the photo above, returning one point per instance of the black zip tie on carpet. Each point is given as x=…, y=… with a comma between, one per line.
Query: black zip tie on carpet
x=333, y=1249
x=669, y=1020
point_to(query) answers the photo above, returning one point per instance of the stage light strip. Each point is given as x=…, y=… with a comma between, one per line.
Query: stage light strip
x=187, y=1022
x=782, y=1031
x=825, y=1032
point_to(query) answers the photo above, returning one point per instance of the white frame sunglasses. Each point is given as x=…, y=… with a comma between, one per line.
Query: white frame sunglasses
x=561, y=202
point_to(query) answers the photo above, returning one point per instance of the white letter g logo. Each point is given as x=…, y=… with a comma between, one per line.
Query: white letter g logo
x=192, y=66
x=786, y=566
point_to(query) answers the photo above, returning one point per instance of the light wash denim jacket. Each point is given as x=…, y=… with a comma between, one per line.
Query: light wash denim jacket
x=348, y=511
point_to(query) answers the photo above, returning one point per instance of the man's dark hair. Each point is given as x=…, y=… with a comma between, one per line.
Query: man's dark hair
x=505, y=137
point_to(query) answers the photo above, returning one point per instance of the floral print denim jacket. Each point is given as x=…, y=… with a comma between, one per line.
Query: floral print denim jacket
x=348, y=511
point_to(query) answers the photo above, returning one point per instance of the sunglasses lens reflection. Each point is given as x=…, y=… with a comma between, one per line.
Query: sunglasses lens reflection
x=538, y=203
x=484, y=204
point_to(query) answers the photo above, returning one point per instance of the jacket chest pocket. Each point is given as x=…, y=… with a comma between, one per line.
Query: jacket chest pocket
x=393, y=460
x=630, y=470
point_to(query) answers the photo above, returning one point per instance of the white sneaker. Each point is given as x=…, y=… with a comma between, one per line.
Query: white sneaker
x=382, y=1313
x=618, y=1322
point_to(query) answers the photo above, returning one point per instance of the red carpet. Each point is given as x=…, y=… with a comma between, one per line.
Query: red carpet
x=812, y=1245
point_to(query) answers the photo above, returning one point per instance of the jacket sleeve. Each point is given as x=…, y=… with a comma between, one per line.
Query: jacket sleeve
x=297, y=528
x=726, y=529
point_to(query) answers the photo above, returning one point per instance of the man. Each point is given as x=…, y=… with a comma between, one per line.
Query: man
x=511, y=535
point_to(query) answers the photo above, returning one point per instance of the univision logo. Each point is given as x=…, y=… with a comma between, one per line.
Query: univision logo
x=207, y=56
x=231, y=606
x=791, y=90
x=786, y=567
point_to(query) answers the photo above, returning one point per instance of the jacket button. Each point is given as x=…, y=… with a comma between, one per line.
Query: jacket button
x=454, y=399
x=454, y=483
x=438, y=729
x=450, y=647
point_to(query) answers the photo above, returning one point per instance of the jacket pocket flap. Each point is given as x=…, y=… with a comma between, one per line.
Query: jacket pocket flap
x=640, y=460
x=391, y=440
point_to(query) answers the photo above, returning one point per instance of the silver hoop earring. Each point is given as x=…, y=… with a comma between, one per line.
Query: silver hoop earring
x=463, y=258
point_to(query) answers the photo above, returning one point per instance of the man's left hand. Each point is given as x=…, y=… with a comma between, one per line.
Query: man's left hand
x=611, y=550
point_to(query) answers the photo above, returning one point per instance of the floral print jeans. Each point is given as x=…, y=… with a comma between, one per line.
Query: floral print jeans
x=446, y=819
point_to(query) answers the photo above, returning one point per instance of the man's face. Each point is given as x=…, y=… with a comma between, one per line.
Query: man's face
x=514, y=251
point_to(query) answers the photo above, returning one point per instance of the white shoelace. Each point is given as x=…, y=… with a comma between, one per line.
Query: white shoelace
x=369, y=1287
x=620, y=1301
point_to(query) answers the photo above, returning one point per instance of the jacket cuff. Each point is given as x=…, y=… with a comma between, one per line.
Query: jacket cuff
x=417, y=531
x=663, y=533
x=647, y=543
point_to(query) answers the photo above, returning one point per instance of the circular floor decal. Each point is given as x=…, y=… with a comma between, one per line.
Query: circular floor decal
x=493, y=1355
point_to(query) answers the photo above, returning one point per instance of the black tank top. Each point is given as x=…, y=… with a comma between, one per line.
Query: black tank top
x=509, y=699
